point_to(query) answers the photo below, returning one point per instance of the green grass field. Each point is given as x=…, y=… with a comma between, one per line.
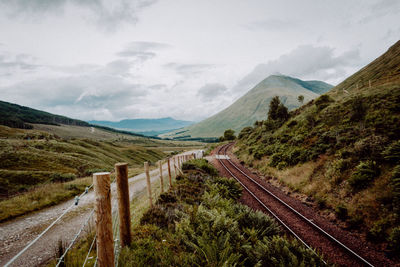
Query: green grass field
x=55, y=159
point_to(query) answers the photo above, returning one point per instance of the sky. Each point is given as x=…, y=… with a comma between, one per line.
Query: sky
x=186, y=59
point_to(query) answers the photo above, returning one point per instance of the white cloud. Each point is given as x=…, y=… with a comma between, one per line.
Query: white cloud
x=305, y=62
x=211, y=91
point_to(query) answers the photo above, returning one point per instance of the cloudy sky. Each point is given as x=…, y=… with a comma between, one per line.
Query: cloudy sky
x=188, y=59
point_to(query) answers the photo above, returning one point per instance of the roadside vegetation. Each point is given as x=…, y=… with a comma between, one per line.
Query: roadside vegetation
x=199, y=222
x=342, y=149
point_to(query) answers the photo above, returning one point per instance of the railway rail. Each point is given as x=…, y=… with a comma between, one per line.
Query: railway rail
x=302, y=228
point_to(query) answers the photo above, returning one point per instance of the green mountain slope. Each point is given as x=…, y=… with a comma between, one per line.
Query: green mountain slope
x=17, y=116
x=145, y=125
x=253, y=106
x=342, y=149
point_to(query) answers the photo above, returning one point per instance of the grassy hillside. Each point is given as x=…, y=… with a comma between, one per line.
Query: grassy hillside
x=145, y=125
x=254, y=105
x=30, y=158
x=342, y=149
x=17, y=116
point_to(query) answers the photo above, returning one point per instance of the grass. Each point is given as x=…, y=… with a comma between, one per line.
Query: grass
x=198, y=223
x=47, y=195
x=138, y=206
x=341, y=149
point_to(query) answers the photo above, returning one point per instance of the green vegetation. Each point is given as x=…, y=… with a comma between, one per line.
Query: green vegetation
x=199, y=223
x=34, y=158
x=341, y=149
x=39, y=169
x=229, y=135
x=253, y=106
x=17, y=116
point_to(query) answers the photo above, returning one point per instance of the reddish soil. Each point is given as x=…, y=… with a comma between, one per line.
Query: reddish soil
x=331, y=251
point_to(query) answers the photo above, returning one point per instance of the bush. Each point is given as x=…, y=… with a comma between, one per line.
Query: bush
x=323, y=101
x=341, y=212
x=395, y=182
x=245, y=132
x=394, y=240
x=200, y=164
x=62, y=177
x=377, y=232
x=227, y=188
x=392, y=152
x=358, y=109
x=365, y=173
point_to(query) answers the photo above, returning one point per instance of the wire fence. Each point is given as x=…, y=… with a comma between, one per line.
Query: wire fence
x=93, y=246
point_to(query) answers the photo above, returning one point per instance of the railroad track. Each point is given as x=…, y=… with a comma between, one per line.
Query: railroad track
x=302, y=228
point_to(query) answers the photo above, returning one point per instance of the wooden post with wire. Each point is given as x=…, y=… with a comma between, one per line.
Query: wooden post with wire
x=146, y=169
x=161, y=176
x=102, y=207
x=169, y=172
x=121, y=170
x=176, y=174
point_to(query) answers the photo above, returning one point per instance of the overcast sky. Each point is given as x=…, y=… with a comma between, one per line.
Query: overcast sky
x=188, y=59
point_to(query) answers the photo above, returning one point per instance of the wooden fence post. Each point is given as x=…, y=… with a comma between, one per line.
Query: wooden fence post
x=146, y=169
x=169, y=172
x=121, y=170
x=176, y=174
x=161, y=176
x=104, y=240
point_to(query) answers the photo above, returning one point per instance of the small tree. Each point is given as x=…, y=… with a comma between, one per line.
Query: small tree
x=300, y=98
x=277, y=111
x=229, y=135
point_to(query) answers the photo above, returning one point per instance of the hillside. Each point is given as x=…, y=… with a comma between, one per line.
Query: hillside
x=342, y=150
x=145, y=126
x=253, y=106
x=17, y=116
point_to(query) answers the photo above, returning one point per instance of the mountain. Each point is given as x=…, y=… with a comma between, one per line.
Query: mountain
x=342, y=150
x=17, y=116
x=254, y=106
x=145, y=126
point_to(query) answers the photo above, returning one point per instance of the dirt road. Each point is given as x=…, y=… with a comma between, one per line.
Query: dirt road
x=16, y=234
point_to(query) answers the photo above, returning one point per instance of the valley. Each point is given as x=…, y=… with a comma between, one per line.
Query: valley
x=199, y=133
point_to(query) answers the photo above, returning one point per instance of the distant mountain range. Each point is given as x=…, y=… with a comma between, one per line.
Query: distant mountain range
x=254, y=106
x=149, y=127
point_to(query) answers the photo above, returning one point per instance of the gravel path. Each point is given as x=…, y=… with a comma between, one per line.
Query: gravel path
x=312, y=237
x=17, y=233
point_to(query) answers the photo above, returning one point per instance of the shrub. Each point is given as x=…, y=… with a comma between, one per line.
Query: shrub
x=62, y=177
x=227, y=188
x=370, y=147
x=200, y=164
x=392, y=152
x=245, y=132
x=323, y=101
x=341, y=211
x=395, y=182
x=365, y=173
x=377, y=232
x=394, y=240
x=358, y=109
x=277, y=251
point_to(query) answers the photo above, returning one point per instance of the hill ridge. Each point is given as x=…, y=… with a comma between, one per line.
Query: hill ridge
x=253, y=106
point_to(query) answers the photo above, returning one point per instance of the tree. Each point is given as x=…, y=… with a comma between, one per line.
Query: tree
x=273, y=108
x=300, y=98
x=229, y=135
x=277, y=111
